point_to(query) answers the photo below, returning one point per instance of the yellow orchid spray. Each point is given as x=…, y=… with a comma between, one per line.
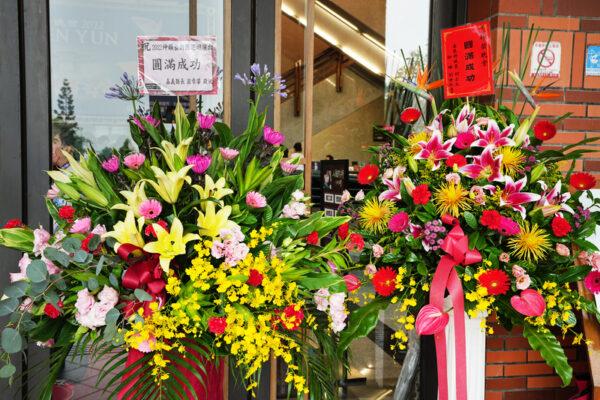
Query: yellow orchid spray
x=169, y=151
x=215, y=190
x=127, y=231
x=211, y=222
x=170, y=183
x=169, y=244
x=134, y=199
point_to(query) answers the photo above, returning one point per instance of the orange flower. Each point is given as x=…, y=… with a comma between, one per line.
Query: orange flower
x=423, y=78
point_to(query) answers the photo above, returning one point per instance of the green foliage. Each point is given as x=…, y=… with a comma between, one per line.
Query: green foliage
x=361, y=322
x=551, y=350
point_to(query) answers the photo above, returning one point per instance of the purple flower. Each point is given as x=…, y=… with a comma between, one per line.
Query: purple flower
x=261, y=81
x=129, y=90
x=205, y=121
x=111, y=165
x=272, y=137
x=199, y=163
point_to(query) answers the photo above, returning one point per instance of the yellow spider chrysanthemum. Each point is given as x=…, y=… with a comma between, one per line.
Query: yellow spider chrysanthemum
x=512, y=160
x=531, y=243
x=452, y=199
x=415, y=138
x=375, y=215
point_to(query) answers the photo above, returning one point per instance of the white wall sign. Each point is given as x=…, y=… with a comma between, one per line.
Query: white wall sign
x=177, y=65
x=545, y=59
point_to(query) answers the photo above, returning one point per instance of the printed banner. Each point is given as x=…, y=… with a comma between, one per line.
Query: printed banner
x=467, y=61
x=177, y=65
x=545, y=59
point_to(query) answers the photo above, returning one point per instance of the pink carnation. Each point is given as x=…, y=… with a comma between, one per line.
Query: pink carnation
x=523, y=282
x=199, y=163
x=398, y=222
x=255, y=200
x=377, y=250
x=370, y=269
x=150, y=208
x=81, y=225
x=134, y=161
x=111, y=164
x=228, y=154
x=562, y=250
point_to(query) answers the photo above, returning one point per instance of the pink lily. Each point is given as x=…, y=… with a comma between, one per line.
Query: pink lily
x=492, y=137
x=484, y=166
x=394, y=184
x=513, y=197
x=435, y=150
x=553, y=201
x=464, y=120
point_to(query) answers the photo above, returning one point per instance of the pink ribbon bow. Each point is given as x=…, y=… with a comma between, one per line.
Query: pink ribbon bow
x=456, y=245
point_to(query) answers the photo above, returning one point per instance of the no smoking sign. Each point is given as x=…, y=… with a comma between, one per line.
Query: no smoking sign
x=545, y=59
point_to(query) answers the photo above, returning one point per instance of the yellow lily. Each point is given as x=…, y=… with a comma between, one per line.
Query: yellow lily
x=169, y=244
x=79, y=169
x=127, y=231
x=169, y=151
x=212, y=189
x=211, y=223
x=134, y=199
x=169, y=184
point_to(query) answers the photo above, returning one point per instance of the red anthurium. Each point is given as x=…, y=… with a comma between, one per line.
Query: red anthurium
x=431, y=320
x=529, y=303
x=352, y=282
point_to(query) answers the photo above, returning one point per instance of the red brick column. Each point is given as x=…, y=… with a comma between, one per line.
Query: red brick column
x=513, y=370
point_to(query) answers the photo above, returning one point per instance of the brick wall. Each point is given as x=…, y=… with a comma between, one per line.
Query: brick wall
x=513, y=370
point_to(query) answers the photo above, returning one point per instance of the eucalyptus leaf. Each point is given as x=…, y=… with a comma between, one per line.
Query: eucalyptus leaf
x=92, y=284
x=71, y=244
x=112, y=316
x=142, y=295
x=93, y=242
x=8, y=306
x=113, y=280
x=38, y=287
x=60, y=257
x=80, y=256
x=11, y=341
x=7, y=371
x=100, y=265
x=17, y=289
x=37, y=271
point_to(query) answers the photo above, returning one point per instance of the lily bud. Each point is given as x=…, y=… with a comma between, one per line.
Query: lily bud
x=92, y=194
x=17, y=238
x=451, y=131
x=69, y=190
x=409, y=185
x=412, y=163
x=523, y=129
x=537, y=172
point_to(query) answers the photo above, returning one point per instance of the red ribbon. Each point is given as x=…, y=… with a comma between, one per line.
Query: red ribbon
x=456, y=245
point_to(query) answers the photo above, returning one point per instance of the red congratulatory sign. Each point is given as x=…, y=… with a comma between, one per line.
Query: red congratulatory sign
x=467, y=61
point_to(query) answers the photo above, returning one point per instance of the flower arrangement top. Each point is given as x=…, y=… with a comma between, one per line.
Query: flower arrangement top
x=196, y=243
x=517, y=206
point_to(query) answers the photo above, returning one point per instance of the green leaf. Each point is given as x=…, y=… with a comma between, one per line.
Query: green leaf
x=100, y=265
x=142, y=295
x=94, y=242
x=7, y=371
x=112, y=316
x=92, y=284
x=80, y=256
x=37, y=271
x=17, y=289
x=470, y=219
x=71, y=244
x=551, y=350
x=574, y=274
x=113, y=280
x=362, y=321
x=314, y=281
x=8, y=306
x=11, y=341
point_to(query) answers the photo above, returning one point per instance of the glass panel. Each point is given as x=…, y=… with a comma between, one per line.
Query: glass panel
x=92, y=44
x=210, y=22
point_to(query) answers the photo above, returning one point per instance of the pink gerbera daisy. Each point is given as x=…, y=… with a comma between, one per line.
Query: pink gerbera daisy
x=150, y=209
x=255, y=200
x=592, y=282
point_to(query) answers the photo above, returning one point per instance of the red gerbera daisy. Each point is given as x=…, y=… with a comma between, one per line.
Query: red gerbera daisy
x=495, y=281
x=456, y=159
x=13, y=223
x=410, y=115
x=384, y=281
x=421, y=194
x=560, y=226
x=582, y=181
x=368, y=174
x=544, y=130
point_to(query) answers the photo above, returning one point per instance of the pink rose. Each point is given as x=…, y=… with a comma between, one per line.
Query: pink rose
x=22, y=274
x=562, y=250
x=517, y=271
x=377, y=250
x=108, y=296
x=81, y=225
x=40, y=240
x=523, y=282
x=584, y=258
x=85, y=301
x=370, y=269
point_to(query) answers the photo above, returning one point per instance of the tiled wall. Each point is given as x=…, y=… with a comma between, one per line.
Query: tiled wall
x=513, y=370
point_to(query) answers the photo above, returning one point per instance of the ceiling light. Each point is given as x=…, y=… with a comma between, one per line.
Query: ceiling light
x=336, y=15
